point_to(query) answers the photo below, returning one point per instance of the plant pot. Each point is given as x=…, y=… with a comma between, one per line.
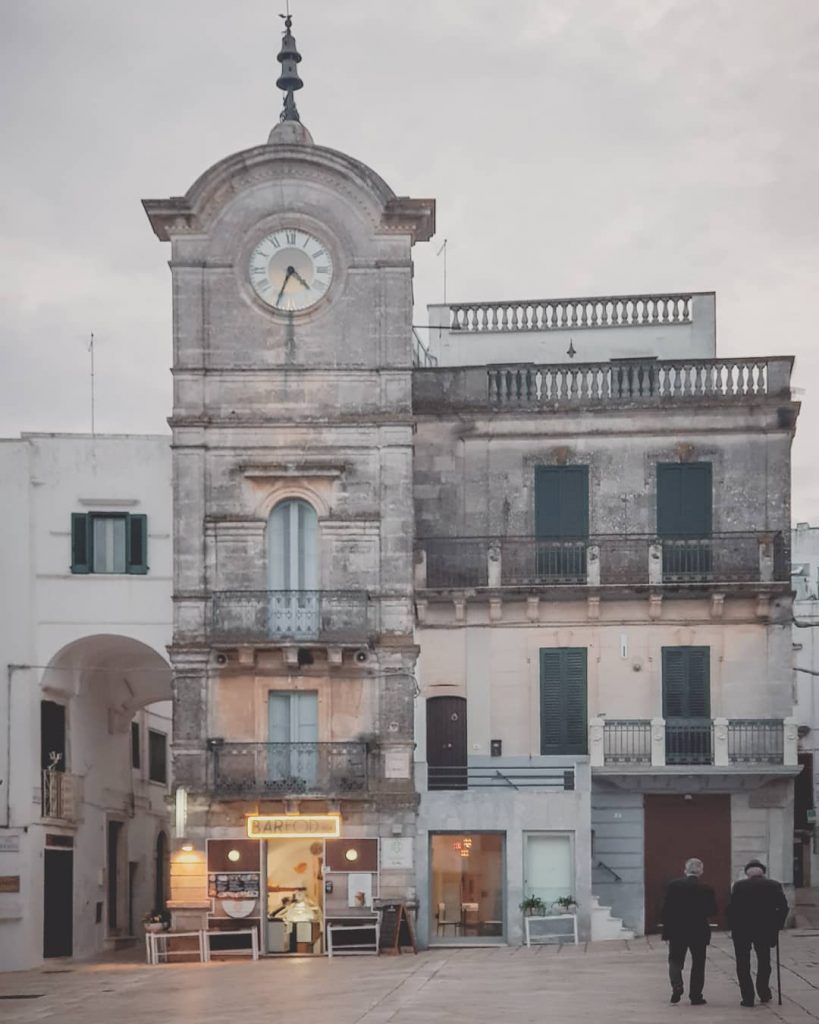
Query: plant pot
x=154, y=926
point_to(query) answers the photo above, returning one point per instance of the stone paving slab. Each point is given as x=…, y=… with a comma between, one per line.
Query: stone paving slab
x=622, y=981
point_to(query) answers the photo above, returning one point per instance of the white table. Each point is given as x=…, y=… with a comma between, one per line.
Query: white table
x=252, y=949
x=351, y=924
x=551, y=917
x=156, y=946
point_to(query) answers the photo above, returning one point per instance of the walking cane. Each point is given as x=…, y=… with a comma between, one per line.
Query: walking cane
x=778, y=974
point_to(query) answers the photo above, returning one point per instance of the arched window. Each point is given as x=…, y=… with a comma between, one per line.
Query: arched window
x=292, y=546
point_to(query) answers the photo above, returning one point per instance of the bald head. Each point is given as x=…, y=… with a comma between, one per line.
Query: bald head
x=694, y=866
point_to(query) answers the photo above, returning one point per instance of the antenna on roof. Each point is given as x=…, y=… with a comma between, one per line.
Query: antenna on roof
x=443, y=250
x=91, y=351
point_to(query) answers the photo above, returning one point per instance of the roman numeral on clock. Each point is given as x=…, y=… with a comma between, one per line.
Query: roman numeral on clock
x=291, y=237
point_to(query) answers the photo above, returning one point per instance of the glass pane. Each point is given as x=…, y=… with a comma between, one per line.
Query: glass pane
x=109, y=544
x=466, y=899
x=548, y=868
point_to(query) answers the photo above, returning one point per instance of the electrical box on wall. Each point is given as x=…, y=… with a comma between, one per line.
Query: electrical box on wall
x=496, y=747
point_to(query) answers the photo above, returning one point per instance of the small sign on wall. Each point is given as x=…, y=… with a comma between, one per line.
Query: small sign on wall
x=10, y=843
x=396, y=854
x=9, y=883
x=397, y=764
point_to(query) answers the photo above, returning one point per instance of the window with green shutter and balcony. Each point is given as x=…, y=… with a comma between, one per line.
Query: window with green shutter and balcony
x=109, y=543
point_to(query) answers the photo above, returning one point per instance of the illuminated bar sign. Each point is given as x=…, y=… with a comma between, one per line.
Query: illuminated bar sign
x=294, y=826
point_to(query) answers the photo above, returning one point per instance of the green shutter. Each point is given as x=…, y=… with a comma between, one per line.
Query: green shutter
x=561, y=501
x=563, y=701
x=684, y=499
x=80, y=542
x=686, y=682
x=137, y=539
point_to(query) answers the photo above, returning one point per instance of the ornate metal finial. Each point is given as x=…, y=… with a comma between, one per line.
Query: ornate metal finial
x=289, y=81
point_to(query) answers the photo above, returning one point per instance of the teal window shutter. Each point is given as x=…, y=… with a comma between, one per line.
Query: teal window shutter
x=137, y=526
x=80, y=543
x=686, y=682
x=684, y=499
x=563, y=701
x=561, y=501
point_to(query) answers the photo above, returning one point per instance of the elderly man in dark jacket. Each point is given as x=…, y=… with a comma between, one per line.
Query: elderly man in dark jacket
x=756, y=911
x=688, y=905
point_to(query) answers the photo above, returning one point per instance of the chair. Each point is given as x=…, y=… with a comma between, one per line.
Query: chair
x=443, y=921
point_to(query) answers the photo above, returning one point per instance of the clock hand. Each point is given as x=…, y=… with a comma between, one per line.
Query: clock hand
x=300, y=278
x=287, y=276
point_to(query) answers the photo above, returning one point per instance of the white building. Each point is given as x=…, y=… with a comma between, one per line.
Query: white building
x=84, y=702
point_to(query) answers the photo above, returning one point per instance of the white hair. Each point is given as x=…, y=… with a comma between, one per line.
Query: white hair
x=755, y=871
x=694, y=866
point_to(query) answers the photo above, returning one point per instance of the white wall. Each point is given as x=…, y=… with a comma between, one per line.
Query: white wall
x=95, y=643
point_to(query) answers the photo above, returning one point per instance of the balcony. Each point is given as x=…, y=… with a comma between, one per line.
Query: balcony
x=257, y=616
x=61, y=795
x=635, y=744
x=279, y=770
x=445, y=563
x=507, y=775
x=619, y=383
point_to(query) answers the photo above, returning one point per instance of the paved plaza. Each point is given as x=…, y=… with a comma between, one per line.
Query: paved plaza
x=606, y=981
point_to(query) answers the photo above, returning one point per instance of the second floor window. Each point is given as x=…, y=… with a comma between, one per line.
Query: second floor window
x=563, y=701
x=292, y=547
x=157, y=756
x=102, y=542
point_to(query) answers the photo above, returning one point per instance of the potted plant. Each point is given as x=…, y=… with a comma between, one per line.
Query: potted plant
x=565, y=905
x=157, y=921
x=533, y=906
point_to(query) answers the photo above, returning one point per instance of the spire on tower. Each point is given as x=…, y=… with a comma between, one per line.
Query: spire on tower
x=289, y=81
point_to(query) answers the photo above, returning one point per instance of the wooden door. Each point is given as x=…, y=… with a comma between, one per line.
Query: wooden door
x=679, y=827
x=446, y=742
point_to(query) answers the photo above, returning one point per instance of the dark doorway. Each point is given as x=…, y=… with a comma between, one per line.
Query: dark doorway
x=679, y=827
x=114, y=833
x=133, y=868
x=446, y=743
x=58, y=903
x=161, y=871
x=52, y=735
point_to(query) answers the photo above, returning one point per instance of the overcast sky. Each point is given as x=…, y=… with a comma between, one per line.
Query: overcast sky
x=575, y=147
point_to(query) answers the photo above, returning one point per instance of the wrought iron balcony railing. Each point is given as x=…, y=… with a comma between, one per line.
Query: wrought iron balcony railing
x=61, y=795
x=612, y=559
x=693, y=741
x=507, y=776
x=247, y=770
x=246, y=616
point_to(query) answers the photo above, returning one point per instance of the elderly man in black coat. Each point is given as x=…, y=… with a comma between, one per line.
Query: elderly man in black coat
x=756, y=911
x=688, y=905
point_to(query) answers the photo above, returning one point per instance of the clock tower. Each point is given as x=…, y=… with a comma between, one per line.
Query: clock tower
x=293, y=649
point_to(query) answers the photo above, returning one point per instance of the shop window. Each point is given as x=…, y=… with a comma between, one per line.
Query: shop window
x=467, y=886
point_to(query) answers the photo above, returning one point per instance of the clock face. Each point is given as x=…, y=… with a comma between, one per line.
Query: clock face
x=290, y=270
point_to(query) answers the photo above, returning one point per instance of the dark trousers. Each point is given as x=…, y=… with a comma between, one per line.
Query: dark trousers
x=677, y=948
x=742, y=950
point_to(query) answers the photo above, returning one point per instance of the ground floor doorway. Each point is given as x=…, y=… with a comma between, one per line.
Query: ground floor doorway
x=58, y=902
x=294, y=870
x=548, y=867
x=679, y=827
x=467, y=887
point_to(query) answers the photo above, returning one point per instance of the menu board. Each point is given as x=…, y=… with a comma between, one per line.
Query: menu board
x=236, y=885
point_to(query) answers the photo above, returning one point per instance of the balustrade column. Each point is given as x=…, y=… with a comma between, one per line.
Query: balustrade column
x=721, y=741
x=658, y=742
x=597, y=727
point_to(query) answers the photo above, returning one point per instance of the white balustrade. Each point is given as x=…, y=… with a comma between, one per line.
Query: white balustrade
x=563, y=314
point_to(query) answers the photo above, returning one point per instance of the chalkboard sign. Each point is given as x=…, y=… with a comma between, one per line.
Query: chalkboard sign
x=397, y=929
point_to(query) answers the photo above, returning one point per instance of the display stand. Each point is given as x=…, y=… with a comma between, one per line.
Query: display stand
x=252, y=949
x=369, y=929
x=156, y=946
x=546, y=937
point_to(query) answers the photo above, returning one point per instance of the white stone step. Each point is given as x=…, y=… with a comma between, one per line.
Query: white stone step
x=605, y=926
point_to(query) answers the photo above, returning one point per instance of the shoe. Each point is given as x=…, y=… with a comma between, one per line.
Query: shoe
x=698, y=1001
x=676, y=996
x=766, y=997
x=745, y=1003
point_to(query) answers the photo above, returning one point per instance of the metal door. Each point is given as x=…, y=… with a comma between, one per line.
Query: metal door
x=58, y=903
x=679, y=827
